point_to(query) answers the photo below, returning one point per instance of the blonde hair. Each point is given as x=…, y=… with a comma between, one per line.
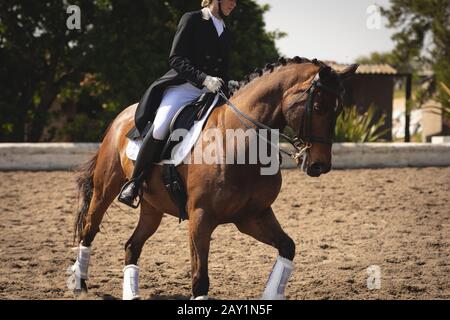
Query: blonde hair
x=206, y=3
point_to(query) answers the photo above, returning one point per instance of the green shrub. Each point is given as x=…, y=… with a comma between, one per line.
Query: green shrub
x=83, y=129
x=352, y=126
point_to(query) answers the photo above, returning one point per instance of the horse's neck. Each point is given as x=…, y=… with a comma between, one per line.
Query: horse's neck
x=260, y=106
x=262, y=99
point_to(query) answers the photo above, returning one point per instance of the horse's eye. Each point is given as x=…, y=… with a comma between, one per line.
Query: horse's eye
x=316, y=107
x=319, y=110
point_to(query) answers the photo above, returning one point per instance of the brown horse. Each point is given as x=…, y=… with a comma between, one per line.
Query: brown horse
x=219, y=193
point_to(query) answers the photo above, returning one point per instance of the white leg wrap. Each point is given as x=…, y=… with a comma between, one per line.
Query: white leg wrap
x=79, y=270
x=82, y=263
x=278, y=279
x=131, y=282
x=200, y=298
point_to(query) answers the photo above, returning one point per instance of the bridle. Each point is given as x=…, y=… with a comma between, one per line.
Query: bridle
x=304, y=138
x=305, y=135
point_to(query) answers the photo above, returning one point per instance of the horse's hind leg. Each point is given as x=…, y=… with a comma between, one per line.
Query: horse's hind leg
x=106, y=180
x=103, y=195
x=264, y=226
x=149, y=221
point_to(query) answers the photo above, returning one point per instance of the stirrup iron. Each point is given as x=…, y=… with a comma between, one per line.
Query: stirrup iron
x=138, y=196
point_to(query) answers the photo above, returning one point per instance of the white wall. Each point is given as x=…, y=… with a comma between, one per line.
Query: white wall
x=65, y=156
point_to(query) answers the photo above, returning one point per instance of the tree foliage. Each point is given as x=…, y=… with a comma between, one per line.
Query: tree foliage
x=379, y=58
x=423, y=36
x=50, y=74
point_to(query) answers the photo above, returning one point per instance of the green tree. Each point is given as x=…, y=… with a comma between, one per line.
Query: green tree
x=379, y=58
x=424, y=35
x=39, y=57
x=253, y=47
x=121, y=48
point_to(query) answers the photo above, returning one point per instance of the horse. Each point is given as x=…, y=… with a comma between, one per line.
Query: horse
x=304, y=94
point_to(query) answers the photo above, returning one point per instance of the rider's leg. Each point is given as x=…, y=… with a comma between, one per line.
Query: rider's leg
x=174, y=98
x=150, y=150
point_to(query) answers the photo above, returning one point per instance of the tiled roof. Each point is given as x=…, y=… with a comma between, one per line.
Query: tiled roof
x=366, y=68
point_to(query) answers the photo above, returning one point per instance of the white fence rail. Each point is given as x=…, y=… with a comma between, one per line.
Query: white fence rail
x=65, y=156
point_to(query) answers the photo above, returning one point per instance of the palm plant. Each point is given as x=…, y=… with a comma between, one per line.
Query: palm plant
x=445, y=100
x=352, y=126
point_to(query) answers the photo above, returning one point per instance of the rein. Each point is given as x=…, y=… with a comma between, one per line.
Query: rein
x=258, y=124
x=301, y=144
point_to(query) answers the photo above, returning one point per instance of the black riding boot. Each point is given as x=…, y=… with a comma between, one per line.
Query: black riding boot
x=150, y=150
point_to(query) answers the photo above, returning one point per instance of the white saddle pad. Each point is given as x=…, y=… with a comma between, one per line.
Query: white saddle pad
x=182, y=149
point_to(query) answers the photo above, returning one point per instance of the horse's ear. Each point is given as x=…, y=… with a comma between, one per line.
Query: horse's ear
x=348, y=72
x=325, y=73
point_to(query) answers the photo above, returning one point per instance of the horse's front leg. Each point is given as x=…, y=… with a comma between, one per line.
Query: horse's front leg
x=200, y=230
x=264, y=226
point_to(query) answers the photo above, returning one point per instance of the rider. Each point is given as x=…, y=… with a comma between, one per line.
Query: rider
x=199, y=61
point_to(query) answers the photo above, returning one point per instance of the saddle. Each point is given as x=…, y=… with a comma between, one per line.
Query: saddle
x=184, y=119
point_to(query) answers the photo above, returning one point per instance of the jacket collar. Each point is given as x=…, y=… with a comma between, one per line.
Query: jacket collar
x=205, y=14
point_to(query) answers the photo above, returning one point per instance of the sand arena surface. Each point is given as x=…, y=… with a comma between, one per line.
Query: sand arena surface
x=342, y=223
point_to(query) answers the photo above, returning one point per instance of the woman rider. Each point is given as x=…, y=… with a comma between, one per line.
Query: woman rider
x=199, y=60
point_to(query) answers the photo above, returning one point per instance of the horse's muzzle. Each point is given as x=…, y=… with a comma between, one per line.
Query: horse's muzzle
x=317, y=168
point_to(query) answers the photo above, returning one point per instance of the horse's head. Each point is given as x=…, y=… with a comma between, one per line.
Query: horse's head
x=311, y=108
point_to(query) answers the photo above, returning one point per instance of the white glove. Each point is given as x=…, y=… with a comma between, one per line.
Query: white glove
x=213, y=84
x=233, y=85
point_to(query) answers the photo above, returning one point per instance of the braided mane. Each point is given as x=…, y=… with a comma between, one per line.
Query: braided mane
x=270, y=67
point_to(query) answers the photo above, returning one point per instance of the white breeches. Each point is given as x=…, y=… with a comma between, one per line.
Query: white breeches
x=173, y=99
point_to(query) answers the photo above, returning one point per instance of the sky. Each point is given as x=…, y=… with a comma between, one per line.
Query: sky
x=329, y=29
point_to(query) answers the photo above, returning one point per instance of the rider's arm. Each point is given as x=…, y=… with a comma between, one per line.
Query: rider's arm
x=182, y=51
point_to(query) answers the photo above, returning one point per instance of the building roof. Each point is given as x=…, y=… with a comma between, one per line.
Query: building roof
x=366, y=68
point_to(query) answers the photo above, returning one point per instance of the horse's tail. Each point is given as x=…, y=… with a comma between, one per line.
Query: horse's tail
x=85, y=181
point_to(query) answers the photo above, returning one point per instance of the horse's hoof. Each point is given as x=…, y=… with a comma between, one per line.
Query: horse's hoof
x=79, y=292
x=200, y=298
x=72, y=284
x=132, y=298
x=83, y=290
